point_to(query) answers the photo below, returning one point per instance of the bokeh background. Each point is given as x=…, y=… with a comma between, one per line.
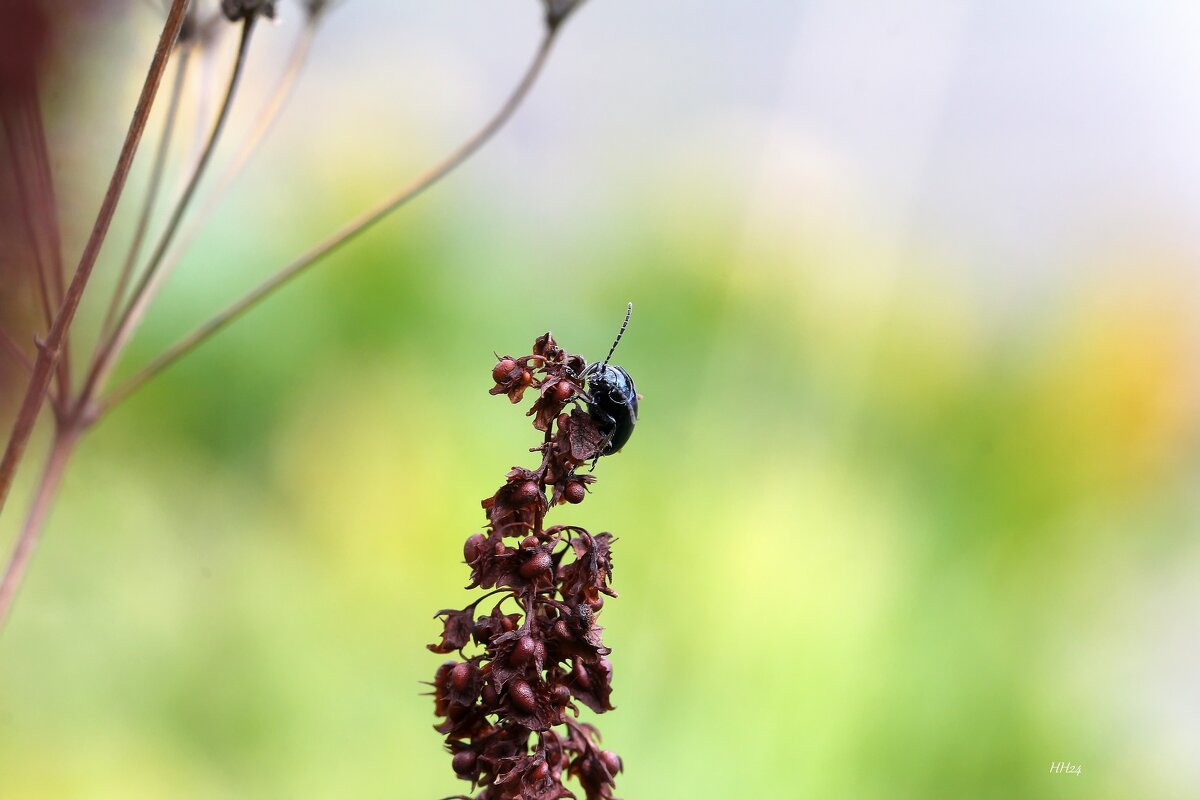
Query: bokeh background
x=911, y=511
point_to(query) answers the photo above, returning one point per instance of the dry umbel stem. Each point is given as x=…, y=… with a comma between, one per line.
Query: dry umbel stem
x=532, y=663
x=77, y=409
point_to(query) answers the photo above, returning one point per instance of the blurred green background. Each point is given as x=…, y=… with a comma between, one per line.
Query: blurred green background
x=911, y=508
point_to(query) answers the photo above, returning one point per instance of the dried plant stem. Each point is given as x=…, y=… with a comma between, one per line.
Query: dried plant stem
x=204, y=93
x=50, y=219
x=152, y=277
x=266, y=121
x=20, y=356
x=27, y=150
x=341, y=237
x=14, y=347
x=273, y=107
x=75, y=414
x=42, y=157
x=152, y=189
x=51, y=347
x=28, y=204
x=60, y=453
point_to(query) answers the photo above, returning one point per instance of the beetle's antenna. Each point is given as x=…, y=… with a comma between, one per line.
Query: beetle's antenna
x=620, y=333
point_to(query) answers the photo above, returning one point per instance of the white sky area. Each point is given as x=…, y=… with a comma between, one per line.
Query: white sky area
x=1016, y=139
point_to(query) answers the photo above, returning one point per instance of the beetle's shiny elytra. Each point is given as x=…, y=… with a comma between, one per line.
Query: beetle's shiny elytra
x=612, y=398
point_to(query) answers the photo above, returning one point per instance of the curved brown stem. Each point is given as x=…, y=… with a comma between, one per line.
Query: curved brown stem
x=18, y=562
x=341, y=237
x=275, y=103
x=11, y=345
x=156, y=176
x=147, y=286
x=32, y=211
x=42, y=157
x=266, y=121
x=51, y=347
x=52, y=231
x=30, y=167
x=20, y=356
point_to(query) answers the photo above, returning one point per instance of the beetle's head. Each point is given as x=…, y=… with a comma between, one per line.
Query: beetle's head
x=611, y=380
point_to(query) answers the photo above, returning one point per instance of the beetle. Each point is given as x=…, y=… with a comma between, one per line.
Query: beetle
x=612, y=398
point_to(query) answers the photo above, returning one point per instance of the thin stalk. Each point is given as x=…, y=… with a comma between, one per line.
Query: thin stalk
x=51, y=347
x=49, y=218
x=271, y=111
x=205, y=89
x=14, y=347
x=58, y=269
x=152, y=189
x=341, y=237
x=276, y=102
x=31, y=211
x=18, y=353
x=18, y=562
x=147, y=286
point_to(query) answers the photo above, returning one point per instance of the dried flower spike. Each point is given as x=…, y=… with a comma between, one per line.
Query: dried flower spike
x=533, y=661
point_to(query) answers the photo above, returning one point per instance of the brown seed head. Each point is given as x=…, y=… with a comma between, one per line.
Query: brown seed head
x=547, y=655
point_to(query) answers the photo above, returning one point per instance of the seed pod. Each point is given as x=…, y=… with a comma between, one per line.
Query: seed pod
x=464, y=763
x=522, y=695
x=561, y=391
x=525, y=493
x=575, y=492
x=523, y=652
x=579, y=673
x=539, y=564
x=460, y=677
x=503, y=370
x=611, y=760
x=474, y=547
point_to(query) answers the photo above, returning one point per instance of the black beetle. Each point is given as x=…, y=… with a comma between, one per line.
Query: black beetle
x=612, y=398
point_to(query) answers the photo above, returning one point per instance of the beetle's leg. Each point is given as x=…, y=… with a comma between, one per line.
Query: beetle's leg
x=607, y=443
x=603, y=446
x=602, y=417
x=606, y=422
